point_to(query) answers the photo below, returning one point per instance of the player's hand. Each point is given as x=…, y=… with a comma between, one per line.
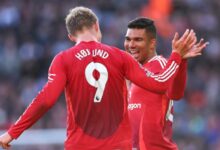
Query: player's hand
x=5, y=139
x=183, y=44
x=196, y=50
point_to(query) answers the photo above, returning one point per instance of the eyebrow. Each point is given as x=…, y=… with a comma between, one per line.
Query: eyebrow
x=127, y=37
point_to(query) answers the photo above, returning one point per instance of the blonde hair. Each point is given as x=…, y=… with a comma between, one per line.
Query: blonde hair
x=79, y=18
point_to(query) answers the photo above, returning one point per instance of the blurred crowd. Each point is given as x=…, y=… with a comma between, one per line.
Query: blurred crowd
x=33, y=32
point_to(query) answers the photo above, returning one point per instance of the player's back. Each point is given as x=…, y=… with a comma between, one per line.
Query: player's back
x=97, y=115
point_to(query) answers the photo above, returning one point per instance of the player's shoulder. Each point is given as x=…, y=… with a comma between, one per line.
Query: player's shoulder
x=68, y=53
x=69, y=50
x=158, y=60
x=63, y=55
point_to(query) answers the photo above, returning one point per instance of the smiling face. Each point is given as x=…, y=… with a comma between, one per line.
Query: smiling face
x=139, y=45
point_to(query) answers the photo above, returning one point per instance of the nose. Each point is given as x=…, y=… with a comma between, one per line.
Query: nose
x=131, y=44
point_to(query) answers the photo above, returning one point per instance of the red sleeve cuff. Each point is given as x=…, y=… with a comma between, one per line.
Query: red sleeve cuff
x=176, y=57
x=12, y=135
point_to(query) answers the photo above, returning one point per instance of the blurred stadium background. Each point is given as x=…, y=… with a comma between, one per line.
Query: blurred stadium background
x=32, y=32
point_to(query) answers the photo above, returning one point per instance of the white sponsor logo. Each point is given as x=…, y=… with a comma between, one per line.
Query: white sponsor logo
x=134, y=106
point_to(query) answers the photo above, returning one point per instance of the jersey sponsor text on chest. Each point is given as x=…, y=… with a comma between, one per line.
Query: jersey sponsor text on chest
x=134, y=106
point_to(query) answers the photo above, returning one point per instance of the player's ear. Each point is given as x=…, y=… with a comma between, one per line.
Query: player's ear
x=97, y=30
x=97, y=26
x=153, y=43
x=72, y=38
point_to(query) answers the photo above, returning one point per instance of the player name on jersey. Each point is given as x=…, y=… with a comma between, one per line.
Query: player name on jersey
x=95, y=52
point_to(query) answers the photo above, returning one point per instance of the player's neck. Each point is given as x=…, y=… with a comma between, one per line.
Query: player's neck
x=86, y=36
x=150, y=56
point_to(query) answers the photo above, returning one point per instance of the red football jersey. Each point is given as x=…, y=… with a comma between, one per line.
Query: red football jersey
x=93, y=77
x=151, y=113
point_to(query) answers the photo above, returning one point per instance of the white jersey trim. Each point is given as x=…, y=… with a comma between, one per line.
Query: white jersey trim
x=166, y=74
